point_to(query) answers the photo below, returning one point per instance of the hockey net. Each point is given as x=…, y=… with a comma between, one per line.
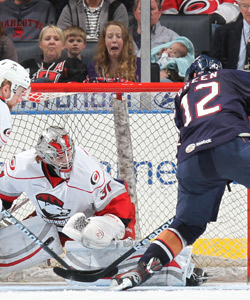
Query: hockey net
x=134, y=138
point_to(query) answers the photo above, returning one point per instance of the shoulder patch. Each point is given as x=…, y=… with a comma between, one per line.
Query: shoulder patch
x=13, y=163
x=95, y=177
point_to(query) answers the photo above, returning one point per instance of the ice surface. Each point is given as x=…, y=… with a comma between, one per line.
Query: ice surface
x=63, y=292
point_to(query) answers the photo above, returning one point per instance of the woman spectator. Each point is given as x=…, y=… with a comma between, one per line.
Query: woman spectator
x=7, y=47
x=51, y=66
x=115, y=57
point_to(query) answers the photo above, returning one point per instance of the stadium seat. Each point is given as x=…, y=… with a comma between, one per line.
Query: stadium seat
x=27, y=49
x=197, y=28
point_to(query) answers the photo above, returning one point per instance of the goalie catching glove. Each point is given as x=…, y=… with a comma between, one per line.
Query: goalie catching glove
x=94, y=232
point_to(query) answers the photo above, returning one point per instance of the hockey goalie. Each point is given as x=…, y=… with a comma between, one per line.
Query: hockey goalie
x=76, y=201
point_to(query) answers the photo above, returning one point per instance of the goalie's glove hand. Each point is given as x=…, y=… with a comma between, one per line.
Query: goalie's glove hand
x=95, y=232
x=75, y=226
x=217, y=19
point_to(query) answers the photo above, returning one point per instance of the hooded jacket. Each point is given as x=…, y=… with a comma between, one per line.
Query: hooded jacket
x=25, y=21
x=74, y=14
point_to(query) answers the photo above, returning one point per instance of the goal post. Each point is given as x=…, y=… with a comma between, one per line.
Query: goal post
x=135, y=138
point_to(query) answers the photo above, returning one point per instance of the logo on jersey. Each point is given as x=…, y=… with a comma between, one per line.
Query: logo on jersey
x=95, y=177
x=51, y=206
x=7, y=132
x=12, y=163
x=191, y=147
x=198, y=7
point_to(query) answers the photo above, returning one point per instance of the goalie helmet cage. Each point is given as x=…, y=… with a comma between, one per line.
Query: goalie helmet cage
x=134, y=138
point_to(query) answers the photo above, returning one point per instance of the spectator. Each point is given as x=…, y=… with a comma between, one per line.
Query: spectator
x=75, y=43
x=230, y=40
x=51, y=66
x=7, y=47
x=91, y=15
x=174, y=58
x=159, y=34
x=222, y=11
x=24, y=19
x=128, y=4
x=58, y=5
x=115, y=57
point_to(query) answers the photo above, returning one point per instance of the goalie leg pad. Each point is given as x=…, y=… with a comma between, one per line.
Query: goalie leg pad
x=18, y=251
x=81, y=258
x=95, y=232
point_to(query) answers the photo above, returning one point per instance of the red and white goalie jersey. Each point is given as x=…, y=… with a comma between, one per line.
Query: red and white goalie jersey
x=90, y=189
x=228, y=9
x=5, y=122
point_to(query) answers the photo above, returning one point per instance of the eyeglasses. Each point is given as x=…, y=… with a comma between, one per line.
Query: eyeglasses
x=244, y=6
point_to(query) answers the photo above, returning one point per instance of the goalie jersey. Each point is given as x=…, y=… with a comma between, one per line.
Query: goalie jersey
x=90, y=189
x=211, y=110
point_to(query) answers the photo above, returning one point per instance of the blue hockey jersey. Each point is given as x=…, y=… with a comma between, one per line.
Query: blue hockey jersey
x=211, y=110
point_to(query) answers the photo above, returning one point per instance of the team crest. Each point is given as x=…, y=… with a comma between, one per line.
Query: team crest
x=198, y=6
x=95, y=177
x=51, y=206
x=7, y=132
x=12, y=163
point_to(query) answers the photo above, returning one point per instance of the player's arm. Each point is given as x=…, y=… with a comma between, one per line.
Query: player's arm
x=108, y=224
x=8, y=186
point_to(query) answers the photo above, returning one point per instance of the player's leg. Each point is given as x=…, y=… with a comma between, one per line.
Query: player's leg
x=18, y=251
x=232, y=160
x=199, y=197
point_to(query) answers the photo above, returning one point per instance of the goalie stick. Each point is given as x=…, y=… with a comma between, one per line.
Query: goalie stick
x=35, y=239
x=91, y=276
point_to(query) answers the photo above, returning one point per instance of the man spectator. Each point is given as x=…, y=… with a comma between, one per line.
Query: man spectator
x=24, y=19
x=91, y=15
x=230, y=40
x=159, y=34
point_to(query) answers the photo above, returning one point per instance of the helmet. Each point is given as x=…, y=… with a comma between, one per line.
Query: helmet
x=203, y=64
x=15, y=73
x=57, y=149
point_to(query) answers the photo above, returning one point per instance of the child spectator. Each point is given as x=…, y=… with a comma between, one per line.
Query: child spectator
x=24, y=19
x=75, y=42
x=51, y=66
x=174, y=58
x=159, y=34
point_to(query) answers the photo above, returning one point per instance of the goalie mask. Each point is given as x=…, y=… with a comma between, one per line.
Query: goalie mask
x=57, y=149
x=16, y=74
x=203, y=64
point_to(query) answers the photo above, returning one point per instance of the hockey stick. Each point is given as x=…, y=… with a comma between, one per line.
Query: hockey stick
x=91, y=276
x=35, y=239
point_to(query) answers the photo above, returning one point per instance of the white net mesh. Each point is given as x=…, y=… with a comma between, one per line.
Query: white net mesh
x=88, y=117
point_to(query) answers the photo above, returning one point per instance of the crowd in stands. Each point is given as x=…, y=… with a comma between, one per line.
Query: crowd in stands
x=64, y=29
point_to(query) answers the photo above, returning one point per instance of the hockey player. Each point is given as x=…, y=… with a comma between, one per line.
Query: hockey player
x=14, y=83
x=221, y=11
x=212, y=112
x=71, y=192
